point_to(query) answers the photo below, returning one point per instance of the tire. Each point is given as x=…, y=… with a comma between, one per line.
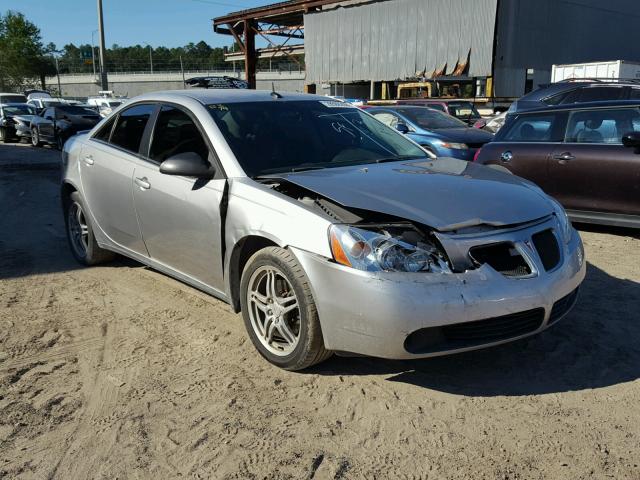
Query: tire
x=35, y=137
x=59, y=142
x=289, y=281
x=80, y=235
x=4, y=138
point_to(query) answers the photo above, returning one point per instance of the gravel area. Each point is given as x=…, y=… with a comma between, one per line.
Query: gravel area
x=118, y=371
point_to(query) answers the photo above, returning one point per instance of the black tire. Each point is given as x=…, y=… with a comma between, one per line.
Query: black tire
x=88, y=252
x=4, y=138
x=310, y=345
x=59, y=142
x=35, y=137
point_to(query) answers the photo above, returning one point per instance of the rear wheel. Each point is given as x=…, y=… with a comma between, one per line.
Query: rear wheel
x=80, y=234
x=279, y=311
x=35, y=137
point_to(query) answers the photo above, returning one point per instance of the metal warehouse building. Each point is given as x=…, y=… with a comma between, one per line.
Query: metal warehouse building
x=501, y=47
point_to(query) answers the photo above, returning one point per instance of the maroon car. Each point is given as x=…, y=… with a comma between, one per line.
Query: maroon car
x=461, y=109
x=587, y=156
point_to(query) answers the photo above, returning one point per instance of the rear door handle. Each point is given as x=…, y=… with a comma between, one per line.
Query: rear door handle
x=88, y=159
x=143, y=183
x=564, y=157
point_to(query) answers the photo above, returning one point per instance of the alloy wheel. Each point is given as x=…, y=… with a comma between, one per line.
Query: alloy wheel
x=274, y=310
x=78, y=229
x=35, y=138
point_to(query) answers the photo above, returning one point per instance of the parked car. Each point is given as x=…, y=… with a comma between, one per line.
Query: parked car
x=327, y=229
x=569, y=92
x=586, y=156
x=492, y=124
x=12, y=98
x=461, y=109
x=55, y=125
x=41, y=103
x=439, y=133
x=104, y=105
x=15, y=120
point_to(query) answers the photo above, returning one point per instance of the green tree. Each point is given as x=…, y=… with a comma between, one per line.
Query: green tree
x=22, y=56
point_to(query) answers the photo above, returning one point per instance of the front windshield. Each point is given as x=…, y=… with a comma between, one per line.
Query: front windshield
x=430, y=119
x=18, y=110
x=282, y=136
x=463, y=110
x=72, y=110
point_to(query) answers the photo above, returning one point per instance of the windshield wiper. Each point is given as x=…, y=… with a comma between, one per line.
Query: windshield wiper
x=397, y=159
x=302, y=169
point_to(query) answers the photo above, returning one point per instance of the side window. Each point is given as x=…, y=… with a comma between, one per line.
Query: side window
x=130, y=127
x=532, y=128
x=388, y=119
x=105, y=131
x=175, y=132
x=596, y=94
x=602, y=126
x=49, y=113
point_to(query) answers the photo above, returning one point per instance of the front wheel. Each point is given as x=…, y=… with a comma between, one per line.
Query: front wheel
x=82, y=241
x=35, y=137
x=279, y=311
x=4, y=138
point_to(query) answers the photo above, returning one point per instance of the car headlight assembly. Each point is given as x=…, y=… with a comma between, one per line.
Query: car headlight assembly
x=385, y=248
x=563, y=219
x=453, y=145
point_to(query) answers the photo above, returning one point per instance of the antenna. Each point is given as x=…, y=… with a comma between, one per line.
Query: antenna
x=274, y=94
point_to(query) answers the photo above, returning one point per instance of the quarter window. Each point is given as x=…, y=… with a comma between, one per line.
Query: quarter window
x=105, y=131
x=175, y=132
x=532, y=128
x=602, y=126
x=130, y=127
x=596, y=94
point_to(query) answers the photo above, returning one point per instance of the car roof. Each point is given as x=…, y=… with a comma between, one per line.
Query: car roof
x=207, y=96
x=15, y=104
x=582, y=106
x=550, y=89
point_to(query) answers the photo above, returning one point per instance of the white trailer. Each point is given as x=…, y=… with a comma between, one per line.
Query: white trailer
x=615, y=69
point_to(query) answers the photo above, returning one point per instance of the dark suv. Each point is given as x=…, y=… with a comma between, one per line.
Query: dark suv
x=586, y=156
x=577, y=91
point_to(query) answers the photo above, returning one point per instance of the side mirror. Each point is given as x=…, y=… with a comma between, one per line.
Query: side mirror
x=187, y=164
x=632, y=140
x=402, y=128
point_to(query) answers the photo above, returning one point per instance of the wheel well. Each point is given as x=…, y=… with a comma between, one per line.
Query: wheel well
x=242, y=252
x=65, y=192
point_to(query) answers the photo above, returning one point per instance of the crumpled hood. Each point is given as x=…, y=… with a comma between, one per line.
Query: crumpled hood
x=464, y=135
x=445, y=194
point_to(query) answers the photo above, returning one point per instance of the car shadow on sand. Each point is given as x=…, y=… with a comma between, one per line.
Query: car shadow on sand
x=594, y=346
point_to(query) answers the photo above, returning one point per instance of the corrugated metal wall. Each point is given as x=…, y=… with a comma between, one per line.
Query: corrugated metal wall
x=397, y=39
x=537, y=34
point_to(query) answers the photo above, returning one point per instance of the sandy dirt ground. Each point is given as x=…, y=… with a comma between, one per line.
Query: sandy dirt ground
x=120, y=372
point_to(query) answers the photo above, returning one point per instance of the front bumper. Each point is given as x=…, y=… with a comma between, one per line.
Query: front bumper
x=374, y=313
x=23, y=131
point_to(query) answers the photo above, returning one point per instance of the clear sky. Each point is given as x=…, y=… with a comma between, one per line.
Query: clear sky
x=170, y=23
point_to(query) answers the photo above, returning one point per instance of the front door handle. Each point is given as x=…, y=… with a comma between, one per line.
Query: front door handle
x=143, y=183
x=88, y=159
x=564, y=157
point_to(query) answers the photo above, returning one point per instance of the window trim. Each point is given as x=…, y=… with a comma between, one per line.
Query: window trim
x=217, y=164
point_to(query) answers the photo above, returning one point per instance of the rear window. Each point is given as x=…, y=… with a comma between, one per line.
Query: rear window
x=602, y=126
x=543, y=127
x=463, y=110
x=13, y=99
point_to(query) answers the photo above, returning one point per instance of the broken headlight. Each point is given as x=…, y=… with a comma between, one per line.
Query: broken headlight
x=389, y=248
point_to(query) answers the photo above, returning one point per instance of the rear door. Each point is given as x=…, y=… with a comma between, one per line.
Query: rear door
x=180, y=216
x=46, y=124
x=107, y=164
x=525, y=144
x=591, y=170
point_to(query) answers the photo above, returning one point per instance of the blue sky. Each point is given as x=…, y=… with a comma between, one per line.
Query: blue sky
x=170, y=23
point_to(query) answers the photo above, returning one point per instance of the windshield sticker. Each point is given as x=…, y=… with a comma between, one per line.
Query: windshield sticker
x=219, y=106
x=336, y=104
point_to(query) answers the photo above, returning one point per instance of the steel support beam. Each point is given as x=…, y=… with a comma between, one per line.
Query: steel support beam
x=250, y=53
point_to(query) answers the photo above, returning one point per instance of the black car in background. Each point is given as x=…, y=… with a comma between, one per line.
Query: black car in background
x=572, y=91
x=55, y=125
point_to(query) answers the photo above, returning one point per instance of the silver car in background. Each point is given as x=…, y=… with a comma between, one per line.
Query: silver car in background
x=328, y=230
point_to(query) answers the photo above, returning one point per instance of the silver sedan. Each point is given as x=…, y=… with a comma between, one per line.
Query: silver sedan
x=328, y=230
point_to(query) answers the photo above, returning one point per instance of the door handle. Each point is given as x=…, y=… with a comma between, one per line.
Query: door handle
x=564, y=157
x=143, y=183
x=88, y=159
x=506, y=156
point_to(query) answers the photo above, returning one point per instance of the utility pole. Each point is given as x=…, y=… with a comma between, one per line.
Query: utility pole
x=93, y=54
x=103, y=72
x=58, y=75
x=151, y=58
x=184, y=85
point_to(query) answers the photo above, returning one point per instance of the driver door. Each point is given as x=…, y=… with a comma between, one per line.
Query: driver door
x=180, y=216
